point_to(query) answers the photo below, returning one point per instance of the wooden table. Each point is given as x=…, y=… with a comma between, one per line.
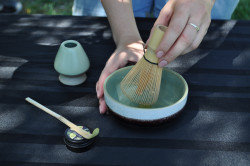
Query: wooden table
x=212, y=130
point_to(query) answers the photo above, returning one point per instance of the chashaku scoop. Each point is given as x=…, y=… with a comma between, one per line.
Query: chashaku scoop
x=76, y=128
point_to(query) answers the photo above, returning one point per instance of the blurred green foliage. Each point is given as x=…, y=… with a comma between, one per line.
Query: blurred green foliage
x=64, y=7
x=49, y=7
x=242, y=12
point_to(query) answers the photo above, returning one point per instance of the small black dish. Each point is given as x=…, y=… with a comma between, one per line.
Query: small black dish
x=75, y=142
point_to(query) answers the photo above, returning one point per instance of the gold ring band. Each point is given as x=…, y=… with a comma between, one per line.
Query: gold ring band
x=195, y=26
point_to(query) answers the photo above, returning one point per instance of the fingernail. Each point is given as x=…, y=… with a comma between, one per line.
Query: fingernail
x=159, y=54
x=163, y=63
x=98, y=94
x=101, y=109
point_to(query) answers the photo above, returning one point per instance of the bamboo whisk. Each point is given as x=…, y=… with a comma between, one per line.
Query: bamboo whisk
x=142, y=84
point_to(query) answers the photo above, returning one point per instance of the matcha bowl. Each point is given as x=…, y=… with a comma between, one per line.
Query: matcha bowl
x=172, y=98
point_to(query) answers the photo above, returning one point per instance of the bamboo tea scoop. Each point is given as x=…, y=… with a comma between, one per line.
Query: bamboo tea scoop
x=80, y=131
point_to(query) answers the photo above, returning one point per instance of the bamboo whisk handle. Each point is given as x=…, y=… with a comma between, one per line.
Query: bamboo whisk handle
x=154, y=42
x=156, y=37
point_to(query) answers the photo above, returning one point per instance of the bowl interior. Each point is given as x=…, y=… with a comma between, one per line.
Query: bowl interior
x=173, y=88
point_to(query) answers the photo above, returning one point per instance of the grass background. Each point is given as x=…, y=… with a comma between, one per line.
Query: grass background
x=48, y=7
x=64, y=7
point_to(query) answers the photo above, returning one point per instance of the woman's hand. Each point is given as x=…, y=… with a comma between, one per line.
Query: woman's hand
x=187, y=21
x=125, y=52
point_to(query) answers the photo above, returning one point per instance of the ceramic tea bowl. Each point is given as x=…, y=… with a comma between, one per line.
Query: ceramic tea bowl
x=172, y=98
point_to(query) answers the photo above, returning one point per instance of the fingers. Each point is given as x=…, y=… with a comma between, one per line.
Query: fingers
x=176, y=26
x=102, y=105
x=205, y=19
x=163, y=19
x=100, y=83
x=100, y=90
x=122, y=55
x=184, y=41
x=202, y=32
x=165, y=14
x=184, y=34
x=181, y=37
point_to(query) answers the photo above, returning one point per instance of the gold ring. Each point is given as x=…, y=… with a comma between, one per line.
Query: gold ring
x=195, y=26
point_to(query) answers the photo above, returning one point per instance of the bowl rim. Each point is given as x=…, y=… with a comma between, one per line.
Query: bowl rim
x=184, y=96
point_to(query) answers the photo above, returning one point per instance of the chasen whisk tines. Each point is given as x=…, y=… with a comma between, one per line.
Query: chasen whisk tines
x=142, y=84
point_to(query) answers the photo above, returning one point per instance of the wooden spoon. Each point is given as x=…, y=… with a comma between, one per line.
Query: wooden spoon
x=79, y=130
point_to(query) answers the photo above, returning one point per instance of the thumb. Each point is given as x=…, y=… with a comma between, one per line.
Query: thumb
x=163, y=18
